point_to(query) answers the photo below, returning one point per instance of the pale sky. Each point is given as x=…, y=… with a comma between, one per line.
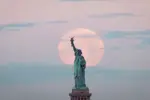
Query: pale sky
x=30, y=30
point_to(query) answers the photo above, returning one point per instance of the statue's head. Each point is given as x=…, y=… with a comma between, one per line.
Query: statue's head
x=78, y=52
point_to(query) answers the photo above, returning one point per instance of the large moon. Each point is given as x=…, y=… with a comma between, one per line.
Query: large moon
x=88, y=41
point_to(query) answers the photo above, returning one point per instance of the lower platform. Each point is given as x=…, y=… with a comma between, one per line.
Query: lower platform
x=80, y=94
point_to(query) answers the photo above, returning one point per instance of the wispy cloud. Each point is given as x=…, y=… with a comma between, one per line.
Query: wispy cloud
x=115, y=34
x=15, y=26
x=127, y=34
x=18, y=26
x=111, y=15
x=142, y=36
x=144, y=42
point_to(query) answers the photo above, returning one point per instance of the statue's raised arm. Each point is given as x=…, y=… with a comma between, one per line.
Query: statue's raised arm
x=72, y=44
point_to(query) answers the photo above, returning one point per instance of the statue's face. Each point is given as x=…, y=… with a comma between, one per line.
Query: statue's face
x=78, y=52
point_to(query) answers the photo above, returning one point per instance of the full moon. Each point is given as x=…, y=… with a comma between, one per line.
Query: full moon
x=88, y=41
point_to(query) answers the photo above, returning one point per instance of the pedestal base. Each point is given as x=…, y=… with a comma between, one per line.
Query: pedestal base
x=80, y=94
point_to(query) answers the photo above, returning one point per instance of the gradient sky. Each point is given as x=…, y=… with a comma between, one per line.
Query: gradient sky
x=30, y=30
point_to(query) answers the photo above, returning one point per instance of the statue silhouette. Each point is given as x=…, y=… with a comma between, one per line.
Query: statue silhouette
x=79, y=67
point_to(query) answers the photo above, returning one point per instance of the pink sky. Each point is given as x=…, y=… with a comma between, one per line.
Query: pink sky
x=43, y=10
x=38, y=43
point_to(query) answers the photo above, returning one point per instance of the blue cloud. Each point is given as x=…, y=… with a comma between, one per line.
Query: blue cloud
x=18, y=26
x=111, y=15
x=142, y=36
x=125, y=34
x=1, y=27
x=145, y=42
x=115, y=34
x=15, y=26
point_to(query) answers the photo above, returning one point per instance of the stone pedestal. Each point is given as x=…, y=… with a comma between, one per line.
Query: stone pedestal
x=80, y=94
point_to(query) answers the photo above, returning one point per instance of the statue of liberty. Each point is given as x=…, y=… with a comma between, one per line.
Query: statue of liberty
x=79, y=67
